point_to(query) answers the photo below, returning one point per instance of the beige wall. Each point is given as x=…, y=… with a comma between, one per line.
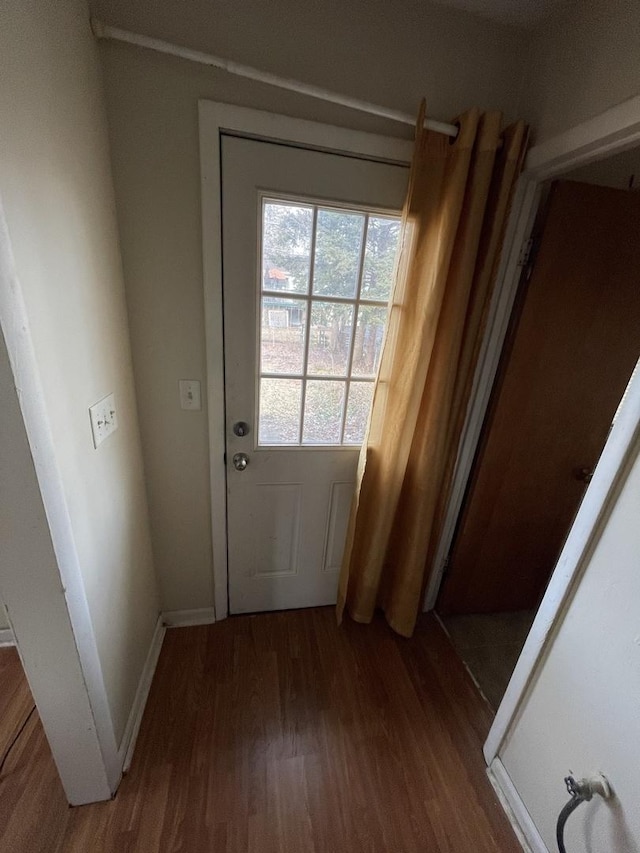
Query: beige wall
x=57, y=191
x=583, y=61
x=455, y=59
x=387, y=53
x=581, y=715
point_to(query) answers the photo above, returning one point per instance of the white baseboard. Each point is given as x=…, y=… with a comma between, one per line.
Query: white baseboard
x=167, y=619
x=132, y=728
x=6, y=637
x=184, y=618
x=516, y=811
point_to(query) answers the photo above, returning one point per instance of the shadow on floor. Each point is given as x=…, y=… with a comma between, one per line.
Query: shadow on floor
x=490, y=644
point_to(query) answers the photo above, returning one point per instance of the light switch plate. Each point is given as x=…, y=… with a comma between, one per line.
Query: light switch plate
x=104, y=419
x=190, y=397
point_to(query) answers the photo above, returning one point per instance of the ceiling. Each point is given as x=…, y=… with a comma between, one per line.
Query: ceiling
x=522, y=13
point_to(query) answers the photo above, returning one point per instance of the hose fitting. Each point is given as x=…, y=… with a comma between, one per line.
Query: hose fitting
x=581, y=791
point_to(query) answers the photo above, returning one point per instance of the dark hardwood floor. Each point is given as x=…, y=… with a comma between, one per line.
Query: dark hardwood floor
x=33, y=808
x=281, y=732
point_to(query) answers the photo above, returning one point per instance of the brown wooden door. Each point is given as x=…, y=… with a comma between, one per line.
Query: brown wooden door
x=571, y=355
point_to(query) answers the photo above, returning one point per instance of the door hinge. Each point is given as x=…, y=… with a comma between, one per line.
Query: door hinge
x=525, y=253
x=446, y=565
x=528, y=254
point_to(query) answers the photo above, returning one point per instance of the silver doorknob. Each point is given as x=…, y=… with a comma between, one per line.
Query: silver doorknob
x=240, y=461
x=241, y=428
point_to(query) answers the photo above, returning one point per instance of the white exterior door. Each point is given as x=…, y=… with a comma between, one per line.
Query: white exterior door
x=309, y=242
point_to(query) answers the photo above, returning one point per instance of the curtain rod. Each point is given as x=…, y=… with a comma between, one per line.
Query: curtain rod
x=105, y=31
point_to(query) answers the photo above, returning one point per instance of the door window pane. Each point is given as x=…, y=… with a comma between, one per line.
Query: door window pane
x=286, y=246
x=368, y=340
x=330, y=338
x=358, y=406
x=383, y=235
x=337, y=256
x=282, y=335
x=323, y=407
x=280, y=402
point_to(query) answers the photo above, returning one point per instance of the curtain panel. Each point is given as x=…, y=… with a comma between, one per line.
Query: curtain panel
x=454, y=220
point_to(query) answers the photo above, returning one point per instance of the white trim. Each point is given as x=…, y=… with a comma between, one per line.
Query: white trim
x=6, y=637
x=185, y=618
x=105, y=31
x=88, y=763
x=128, y=743
x=592, y=515
x=615, y=130
x=214, y=119
x=611, y=132
x=166, y=619
x=515, y=809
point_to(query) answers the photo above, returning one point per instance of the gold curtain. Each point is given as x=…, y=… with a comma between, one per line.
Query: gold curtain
x=453, y=226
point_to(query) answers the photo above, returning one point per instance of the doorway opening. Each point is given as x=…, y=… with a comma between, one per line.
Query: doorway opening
x=570, y=351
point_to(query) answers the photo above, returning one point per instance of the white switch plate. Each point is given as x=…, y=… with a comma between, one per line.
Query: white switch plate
x=190, y=394
x=104, y=419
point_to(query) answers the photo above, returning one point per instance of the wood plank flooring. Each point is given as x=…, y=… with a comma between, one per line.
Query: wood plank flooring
x=33, y=808
x=15, y=697
x=281, y=733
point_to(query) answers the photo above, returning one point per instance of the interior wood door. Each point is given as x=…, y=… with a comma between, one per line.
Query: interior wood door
x=571, y=353
x=309, y=243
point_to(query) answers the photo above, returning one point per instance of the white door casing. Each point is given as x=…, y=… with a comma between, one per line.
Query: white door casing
x=615, y=130
x=287, y=510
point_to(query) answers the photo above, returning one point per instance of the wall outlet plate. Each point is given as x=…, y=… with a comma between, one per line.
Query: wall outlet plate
x=104, y=419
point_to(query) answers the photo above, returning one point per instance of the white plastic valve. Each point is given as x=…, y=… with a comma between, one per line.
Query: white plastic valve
x=599, y=784
x=585, y=788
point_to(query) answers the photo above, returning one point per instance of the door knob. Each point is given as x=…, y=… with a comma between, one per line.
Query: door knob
x=240, y=428
x=584, y=474
x=240, y=461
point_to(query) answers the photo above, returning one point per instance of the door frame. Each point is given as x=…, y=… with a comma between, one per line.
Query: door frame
x=613, y=131
x=216, y=119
